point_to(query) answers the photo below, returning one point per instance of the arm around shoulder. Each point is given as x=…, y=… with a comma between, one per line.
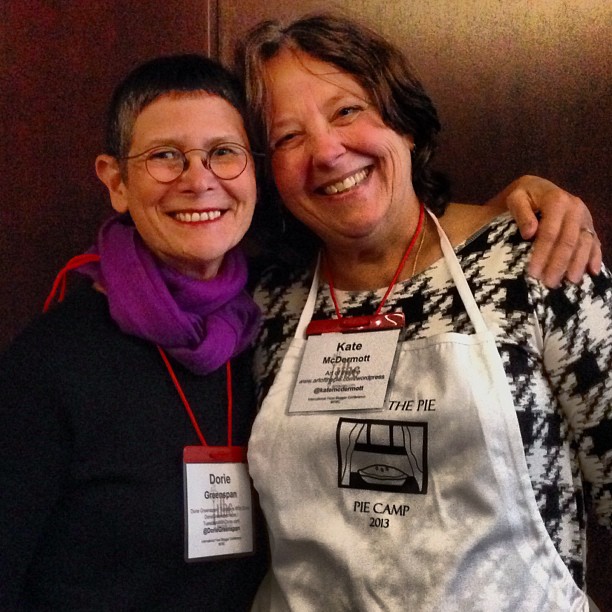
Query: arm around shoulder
x=566, y=245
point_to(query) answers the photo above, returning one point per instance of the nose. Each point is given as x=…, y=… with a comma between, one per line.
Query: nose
x=325, y=146
x=196, y=174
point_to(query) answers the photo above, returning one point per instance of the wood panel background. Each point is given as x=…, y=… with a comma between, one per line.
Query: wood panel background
x=521, y=86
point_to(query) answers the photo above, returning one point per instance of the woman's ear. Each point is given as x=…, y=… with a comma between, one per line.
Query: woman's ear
x=109, y=172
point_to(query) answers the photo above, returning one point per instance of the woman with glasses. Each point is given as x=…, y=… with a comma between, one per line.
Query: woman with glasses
x=127, y=407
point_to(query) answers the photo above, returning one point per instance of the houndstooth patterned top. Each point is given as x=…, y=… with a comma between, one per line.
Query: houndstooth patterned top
x=556, y=347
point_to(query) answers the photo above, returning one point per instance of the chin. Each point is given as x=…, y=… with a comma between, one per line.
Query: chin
x=356, y=231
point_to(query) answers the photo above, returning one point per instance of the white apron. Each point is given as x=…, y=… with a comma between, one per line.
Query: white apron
x=425, y=505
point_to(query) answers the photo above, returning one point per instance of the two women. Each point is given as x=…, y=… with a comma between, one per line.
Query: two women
x=126, y=408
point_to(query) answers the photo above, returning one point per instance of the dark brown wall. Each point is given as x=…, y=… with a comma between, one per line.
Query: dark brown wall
x=59, y=62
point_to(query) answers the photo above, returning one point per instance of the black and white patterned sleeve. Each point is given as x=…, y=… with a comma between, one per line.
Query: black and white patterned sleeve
x=577, y=328
x=281, y=295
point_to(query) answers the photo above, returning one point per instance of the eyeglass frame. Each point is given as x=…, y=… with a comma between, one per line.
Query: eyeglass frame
x=205, y=160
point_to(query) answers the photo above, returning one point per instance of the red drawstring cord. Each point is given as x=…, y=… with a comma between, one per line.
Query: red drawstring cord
x=230, y=402
x=60, y=279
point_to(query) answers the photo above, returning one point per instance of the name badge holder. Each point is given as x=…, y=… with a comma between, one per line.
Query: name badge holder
x=218, y=503
x=217, y=487
x=344, y=365
x=347, y=363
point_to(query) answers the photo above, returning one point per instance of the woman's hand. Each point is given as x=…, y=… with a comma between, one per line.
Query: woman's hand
x=565, y=241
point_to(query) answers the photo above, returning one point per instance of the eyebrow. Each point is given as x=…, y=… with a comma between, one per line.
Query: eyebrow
x=209, y=143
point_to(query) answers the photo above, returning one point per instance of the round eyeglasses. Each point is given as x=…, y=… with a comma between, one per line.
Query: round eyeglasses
x=226, y=160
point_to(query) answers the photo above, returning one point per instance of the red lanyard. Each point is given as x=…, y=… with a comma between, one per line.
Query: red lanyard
x=60, y=284
x=177, y=385
x=395, y=276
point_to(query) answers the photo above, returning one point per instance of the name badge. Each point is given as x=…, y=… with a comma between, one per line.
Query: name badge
x=345, y=371
x=218, y=503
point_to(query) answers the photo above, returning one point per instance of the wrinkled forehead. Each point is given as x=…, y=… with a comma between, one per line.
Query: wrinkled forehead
x=194, y=109
x=133, y=113
x=291, y=74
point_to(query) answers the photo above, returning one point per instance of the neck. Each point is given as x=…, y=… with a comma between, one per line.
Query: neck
x=362, y=269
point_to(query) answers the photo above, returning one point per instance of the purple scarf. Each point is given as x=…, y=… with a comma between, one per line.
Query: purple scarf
x=201, y=324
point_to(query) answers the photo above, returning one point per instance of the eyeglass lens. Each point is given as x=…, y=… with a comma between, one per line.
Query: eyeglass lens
x=226, y=161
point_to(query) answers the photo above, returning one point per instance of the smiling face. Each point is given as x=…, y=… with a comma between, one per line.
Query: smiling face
x=193, y=221
x=337, y=166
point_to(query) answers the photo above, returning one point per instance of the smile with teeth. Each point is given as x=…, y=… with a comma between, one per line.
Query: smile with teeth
x=195, y=217
x=347, y=183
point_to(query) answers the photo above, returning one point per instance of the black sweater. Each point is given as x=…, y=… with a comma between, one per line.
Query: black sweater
x=91, y=496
